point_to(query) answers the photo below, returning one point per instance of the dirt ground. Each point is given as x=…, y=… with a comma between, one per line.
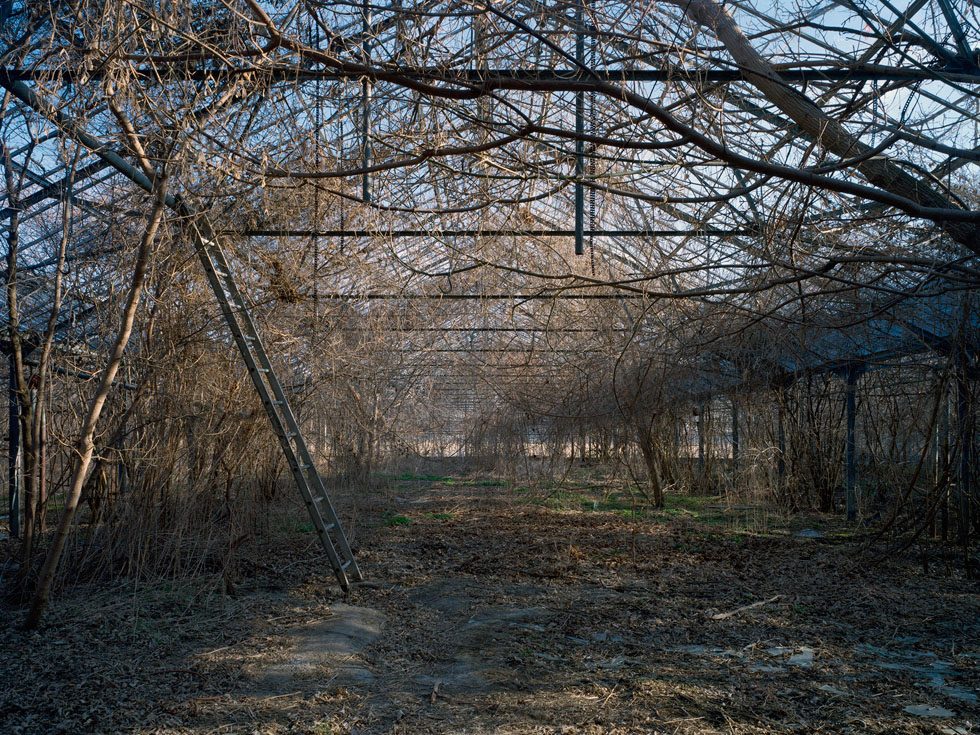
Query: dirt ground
x=495, y=610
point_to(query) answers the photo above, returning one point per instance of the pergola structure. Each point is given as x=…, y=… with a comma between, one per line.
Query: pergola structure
x=502, y=182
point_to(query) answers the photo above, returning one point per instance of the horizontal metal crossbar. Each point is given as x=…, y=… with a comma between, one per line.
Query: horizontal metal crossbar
x=857, y=73
x=492, y=232
x=474, y=296
x=514, y=330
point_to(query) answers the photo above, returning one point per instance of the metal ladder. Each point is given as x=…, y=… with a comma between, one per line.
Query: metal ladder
x=284, y=423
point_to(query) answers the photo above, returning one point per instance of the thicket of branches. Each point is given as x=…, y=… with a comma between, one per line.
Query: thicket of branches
x=772, y=195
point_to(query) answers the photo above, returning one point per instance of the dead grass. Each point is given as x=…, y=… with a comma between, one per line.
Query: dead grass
x=509, y=614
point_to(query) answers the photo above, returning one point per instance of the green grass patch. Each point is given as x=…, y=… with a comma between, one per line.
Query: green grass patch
x=594, y=499
x=621, y=502
x=392, y=521
x=565, y=500
x=411, y=477
x=692, y=503
x=640, y=511
x=695, y=507
x=629, y=502
x=486, y=482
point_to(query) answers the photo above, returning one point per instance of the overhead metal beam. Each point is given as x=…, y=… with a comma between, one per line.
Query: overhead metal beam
x=476, y=296
x=166, y=73
x=527, y=350
x=517, y=330
x=55, y=189
x=492, y=232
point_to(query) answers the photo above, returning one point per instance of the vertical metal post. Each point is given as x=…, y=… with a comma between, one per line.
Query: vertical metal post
x=42, y=457
x=735, y=441
x=14, y=466
x=701, y=438
x=964, y=429
x=780, y=440
x=579, y=143
x=850, y=468
x=366, y=105
x=677, y=438
x=942, y=461
x=317, y=219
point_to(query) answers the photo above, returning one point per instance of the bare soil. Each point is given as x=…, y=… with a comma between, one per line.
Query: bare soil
x=495, y=611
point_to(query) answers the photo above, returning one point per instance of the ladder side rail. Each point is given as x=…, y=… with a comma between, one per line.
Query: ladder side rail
x=288, y=417
x=253, y=334
x=236, y=315
x=284, y=405
x=341, y=538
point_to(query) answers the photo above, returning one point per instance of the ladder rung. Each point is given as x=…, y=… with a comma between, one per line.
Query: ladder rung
x=236, y=312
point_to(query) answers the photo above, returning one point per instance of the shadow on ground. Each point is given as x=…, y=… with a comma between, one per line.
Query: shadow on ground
x=490, y=614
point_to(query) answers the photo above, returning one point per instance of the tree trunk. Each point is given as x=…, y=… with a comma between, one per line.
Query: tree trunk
x=85, y=446
x=645, y=440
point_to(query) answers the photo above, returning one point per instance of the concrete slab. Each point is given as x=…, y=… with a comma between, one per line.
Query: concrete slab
x=328, y=653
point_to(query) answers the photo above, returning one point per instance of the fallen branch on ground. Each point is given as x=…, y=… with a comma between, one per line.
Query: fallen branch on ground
x=733, y=613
